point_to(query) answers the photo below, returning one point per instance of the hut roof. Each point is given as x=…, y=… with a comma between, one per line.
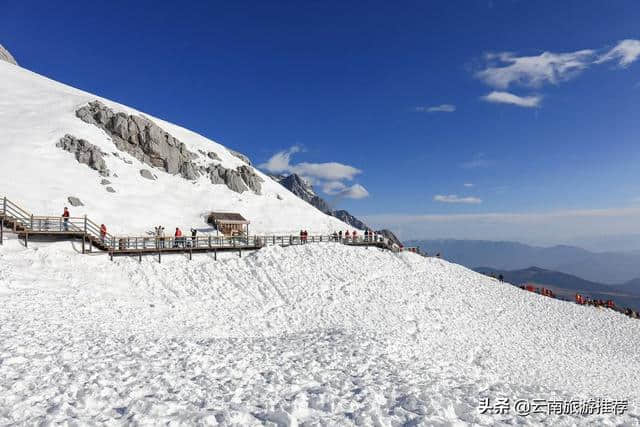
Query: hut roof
x=226, y=218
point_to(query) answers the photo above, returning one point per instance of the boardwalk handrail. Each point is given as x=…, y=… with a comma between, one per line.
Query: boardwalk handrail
x=26, y=223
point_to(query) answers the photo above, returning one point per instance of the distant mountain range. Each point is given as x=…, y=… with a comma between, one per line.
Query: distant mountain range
x=303, y=189
x=600, y=267
x=567, y=285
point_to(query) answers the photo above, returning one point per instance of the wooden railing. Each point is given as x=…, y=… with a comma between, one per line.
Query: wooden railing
x=26, y=223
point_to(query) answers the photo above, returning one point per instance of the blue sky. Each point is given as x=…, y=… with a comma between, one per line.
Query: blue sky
x=350, y=90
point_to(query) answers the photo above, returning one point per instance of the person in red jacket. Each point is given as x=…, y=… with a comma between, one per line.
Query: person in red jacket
x=178, y=238
x=65, y=219
x=103, y=232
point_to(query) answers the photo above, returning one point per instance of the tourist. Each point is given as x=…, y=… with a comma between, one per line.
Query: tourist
x=65, y=219
x=103, y=232
x=194, y=239
x=177, y=238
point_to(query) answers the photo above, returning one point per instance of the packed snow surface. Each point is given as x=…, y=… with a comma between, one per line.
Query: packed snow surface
x=321, y=334
x=35, y=112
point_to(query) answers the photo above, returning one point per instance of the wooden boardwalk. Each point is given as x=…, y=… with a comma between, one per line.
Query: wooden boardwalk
x=27, y=225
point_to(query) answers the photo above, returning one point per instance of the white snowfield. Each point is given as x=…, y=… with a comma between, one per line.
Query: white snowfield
x=321, y=334
x=35, y=112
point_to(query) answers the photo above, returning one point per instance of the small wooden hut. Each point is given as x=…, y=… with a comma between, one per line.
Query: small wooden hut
x=229, y=223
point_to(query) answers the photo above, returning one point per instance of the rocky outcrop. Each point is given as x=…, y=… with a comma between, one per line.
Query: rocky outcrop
x=345, y=216
x=389, y=235
x=146, y=173
x=249, y=176
x=304, y=190
x=240, y=156
x=143, y=139
x=105, y=182
x=147, y=142
x=111, y=190
x=230, y=177
x=74, y=201
x=85, y=153
x=6, y=56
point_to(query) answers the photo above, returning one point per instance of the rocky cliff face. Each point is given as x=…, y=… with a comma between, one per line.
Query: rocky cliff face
x=143, y=139
x=345, y=216
x=150, y=144
x=304, y=190
x=6, y=56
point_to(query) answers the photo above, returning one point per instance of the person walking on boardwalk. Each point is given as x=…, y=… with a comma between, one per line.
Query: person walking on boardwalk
x=346, y=235
x=194, y=234
x=178, y=238
x=340, y=235
x=65, y=219
x=103, y=232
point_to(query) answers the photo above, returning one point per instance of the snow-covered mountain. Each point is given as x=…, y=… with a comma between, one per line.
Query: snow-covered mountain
x=129, y=170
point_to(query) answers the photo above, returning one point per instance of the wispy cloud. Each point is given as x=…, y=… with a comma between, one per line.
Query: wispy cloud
x=510, y=98
x=548, y=67
x=625, y=52
x=468, y=184
x=505, y=69
x=442, y=108
x=478, y=161
x=329, y=175
x=453, y=198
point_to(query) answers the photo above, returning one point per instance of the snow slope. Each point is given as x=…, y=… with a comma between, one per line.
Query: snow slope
x=320, y=334
x=35, y=112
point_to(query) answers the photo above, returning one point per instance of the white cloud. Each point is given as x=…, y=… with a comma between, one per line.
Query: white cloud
x=442, y=108
x=510, y=98
x=468, y=184
x=548, y=67
x=328, y=175
x=625, y=52
x=355, y=191
x=336, y=188
x=325, y=171
x=280, y=162
x=452, y=198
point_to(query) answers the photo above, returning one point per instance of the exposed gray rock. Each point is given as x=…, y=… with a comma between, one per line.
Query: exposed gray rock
x=304, y=190
x=6, y=56
x=85, y=153
x=111, y=190
x=74, y=201
x=213, y=155
x=345, y=216
x=279, y=197
x=389, y=235
x=146, y=173
x=231, y=178
x=105, y=182
x=143, y=139
x=253, y=181
x=240, y=156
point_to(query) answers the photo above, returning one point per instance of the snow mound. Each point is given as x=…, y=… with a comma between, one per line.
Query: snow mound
x=320, y=333
x=36, y=112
